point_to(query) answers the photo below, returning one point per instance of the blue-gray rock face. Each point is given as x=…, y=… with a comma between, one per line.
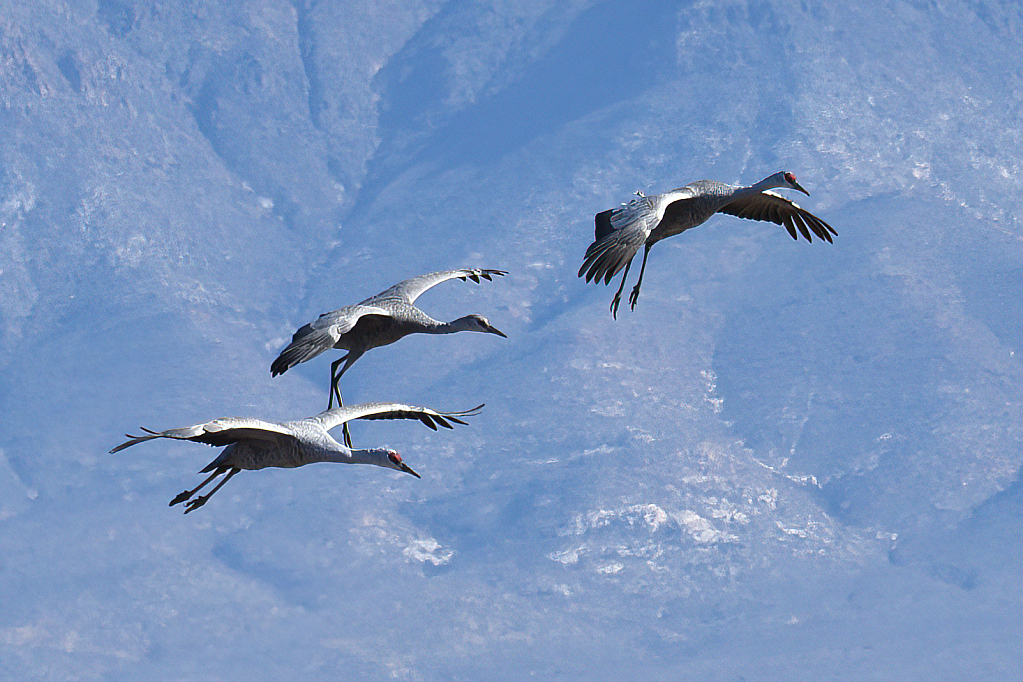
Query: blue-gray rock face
x=789, y=462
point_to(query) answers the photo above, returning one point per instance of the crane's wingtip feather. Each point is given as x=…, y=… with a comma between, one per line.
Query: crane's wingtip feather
x=467, y=413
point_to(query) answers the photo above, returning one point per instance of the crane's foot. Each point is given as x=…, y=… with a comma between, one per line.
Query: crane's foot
x=633, y=297
x=196, y=503
x=614, y=305
x=182, y=496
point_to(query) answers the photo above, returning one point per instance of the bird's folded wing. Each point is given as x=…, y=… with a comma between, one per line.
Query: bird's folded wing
x=775, y=208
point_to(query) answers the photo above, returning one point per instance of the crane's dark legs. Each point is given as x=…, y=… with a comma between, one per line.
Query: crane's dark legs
x=634, y=296
x=618, y=296
x=344, y=427
x=335, y=377
x=188, y=493
x=201, y=500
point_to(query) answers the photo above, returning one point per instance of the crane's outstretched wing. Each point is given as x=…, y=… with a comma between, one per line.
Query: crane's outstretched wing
x=431, y=418
x=773, y=207
x=411, y=289
x=619, y=232
x=321, y=334
x=217, y=432
x=602, y=224
x=605, y=258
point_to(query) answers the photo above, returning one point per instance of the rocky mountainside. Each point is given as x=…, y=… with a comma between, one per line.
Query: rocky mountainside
x=791, y=460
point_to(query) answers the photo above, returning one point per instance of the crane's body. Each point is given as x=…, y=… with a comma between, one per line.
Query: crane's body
x=620, y=232
x=379, y=320
x=254, y=444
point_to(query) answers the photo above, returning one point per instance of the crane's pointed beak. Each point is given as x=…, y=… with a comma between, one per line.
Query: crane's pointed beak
x=800, y=188
x=408, y=470
x=494, y=330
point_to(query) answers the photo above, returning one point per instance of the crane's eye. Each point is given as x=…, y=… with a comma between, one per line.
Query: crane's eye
x=790, y=178
x=394, y=457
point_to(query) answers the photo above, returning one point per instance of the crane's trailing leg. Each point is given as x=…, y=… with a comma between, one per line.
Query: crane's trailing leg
x=188, y=493
x=618, y=295
x=344, y=427
x=335, y=389
x=201, y=500
x=334, y=378
x=634, y=296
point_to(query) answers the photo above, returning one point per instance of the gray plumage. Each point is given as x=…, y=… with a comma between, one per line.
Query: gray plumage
x=255, y=444
x=646, y=220
x=378, y=321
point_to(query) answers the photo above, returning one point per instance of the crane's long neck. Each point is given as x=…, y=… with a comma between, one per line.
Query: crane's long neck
x=343, y=455
x=317, y=445
x=726, y=194
x=437, y=327
x=376, y=456
x=770, y=182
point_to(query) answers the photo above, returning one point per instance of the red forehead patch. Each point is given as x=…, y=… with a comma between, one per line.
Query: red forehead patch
x=394, y=457
x=789, y=177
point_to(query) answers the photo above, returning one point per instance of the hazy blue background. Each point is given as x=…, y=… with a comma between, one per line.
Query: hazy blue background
x=791, y=461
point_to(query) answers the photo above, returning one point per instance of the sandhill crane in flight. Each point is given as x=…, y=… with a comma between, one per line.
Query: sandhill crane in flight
x=256, y=444
x=378, y=321
x=646, y=220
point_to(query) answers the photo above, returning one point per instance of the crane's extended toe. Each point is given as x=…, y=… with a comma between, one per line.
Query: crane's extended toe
x=181, y=497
